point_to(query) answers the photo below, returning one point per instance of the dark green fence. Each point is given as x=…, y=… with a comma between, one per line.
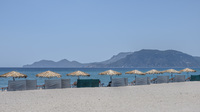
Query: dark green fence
x=88, y=83
x=195, y=78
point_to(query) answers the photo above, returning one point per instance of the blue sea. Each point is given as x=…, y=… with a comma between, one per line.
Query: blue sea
x=31, y=72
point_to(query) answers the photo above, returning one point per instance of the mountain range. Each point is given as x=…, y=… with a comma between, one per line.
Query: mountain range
x=143, y=58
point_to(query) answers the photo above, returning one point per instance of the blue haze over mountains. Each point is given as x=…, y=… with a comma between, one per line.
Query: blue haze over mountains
x=143, y=58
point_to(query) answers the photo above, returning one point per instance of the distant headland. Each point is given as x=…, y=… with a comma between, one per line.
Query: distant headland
x=145, y=58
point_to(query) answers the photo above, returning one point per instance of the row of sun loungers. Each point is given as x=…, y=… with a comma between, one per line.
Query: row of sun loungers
x=165, y=79
x=32, y=84
x=116, y=82
x=146, y=80
x=19, y=85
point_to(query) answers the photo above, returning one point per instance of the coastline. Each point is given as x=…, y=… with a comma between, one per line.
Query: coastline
x=174, y=97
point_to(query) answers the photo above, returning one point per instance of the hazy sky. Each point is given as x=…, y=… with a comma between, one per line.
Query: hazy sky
x=94, y=30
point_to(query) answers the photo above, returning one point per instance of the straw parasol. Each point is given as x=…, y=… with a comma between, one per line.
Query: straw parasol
x=136, y=72
x=110, y=72
x=171, y=71
x=14, y=74
x=187, y=70
x=48, y=74
x=153, y=71
x=78, y=73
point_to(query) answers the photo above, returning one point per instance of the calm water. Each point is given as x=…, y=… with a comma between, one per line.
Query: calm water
x=31, y=72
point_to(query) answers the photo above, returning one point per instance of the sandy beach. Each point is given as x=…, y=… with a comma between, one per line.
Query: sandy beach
x=173, y=97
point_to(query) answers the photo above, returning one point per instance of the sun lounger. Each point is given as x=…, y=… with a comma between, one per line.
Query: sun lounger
x=179, y=78
x=31, y=84
x=116, y=82
x=142, y=81
x=162, y=79
x=153, y=80
x=65, y=83
x=101, y=85
x=195, y=78
x=188, y=79
x=171, y=80
x=52, y=84
x=74, y=84
x=88, y=83
x=16, y=85
x=4, y=88
x=133, y=82
x=40, y=86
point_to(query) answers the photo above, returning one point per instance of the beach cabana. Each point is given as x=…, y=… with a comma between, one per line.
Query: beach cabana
x=171, y=71
x=111, y=73
x=78, y=73
x=14, y=74
x=48, y=74
x=136, y=72
x=187, y=70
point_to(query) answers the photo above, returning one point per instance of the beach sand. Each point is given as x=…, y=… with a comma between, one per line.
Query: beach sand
x=173, y=97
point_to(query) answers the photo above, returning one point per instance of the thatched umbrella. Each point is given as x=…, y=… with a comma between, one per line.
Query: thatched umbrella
x=171, y=71
x=14, y=74
x=187, y=70
x=78, y=73
x=48, y=74
x=136, y=72
x=111, y=73
x=153, y=71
